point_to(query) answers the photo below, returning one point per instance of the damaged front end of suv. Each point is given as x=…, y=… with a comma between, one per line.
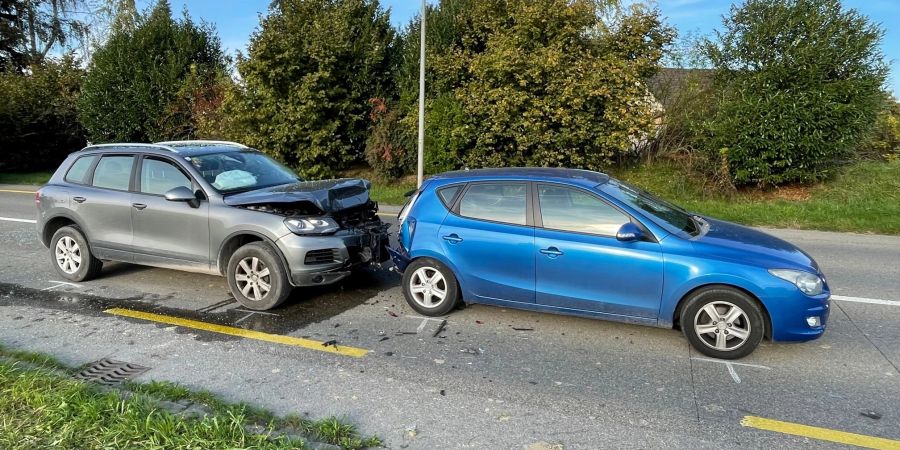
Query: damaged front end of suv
x=333, y=227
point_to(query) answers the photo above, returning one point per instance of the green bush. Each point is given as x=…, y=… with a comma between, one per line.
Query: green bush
x=539, y=83
x=142, y=82
x=311, y=69
x=390, y=150
x=884, y=141
x=799, y=87
x=38, y=119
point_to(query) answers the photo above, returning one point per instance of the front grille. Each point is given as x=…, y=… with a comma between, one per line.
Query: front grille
x=323, y=256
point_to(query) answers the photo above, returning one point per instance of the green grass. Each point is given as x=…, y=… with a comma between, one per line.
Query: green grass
x=41, y=406
x=864, y=198
x=25, y=178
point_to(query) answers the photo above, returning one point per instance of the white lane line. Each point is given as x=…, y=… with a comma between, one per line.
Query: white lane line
x=874, y=301
x=13, y=219
x=65, y=282
x=733, y=373
x=422, y=326
x=720, y=361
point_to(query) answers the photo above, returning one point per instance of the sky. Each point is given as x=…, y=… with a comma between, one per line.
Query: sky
x=235, y=20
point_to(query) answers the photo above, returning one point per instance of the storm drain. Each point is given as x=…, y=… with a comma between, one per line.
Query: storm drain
x=110, y=372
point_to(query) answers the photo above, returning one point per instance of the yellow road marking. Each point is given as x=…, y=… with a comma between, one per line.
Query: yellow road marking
x=240, y=332
x=16, y=191
x=822, y=434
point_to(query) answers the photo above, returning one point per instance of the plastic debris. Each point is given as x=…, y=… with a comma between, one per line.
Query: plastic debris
x=331, y=342
x=439, y=328
x=870, y=414
x=523, y=329
x=392, y=314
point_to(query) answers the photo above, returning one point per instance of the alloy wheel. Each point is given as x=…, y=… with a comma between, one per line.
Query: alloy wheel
x=252, y=278
x=722, y=326
x=428, y=287
x=68, y=254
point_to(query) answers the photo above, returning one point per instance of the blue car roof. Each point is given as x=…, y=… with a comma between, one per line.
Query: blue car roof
x=583, y=177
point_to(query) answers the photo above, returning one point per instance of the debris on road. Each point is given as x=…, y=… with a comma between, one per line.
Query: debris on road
x=439, y=328
x=870, y=414
x=392, y=314
x=522, y=329
x=472, y=351
x=331, y=342
x=479, y=322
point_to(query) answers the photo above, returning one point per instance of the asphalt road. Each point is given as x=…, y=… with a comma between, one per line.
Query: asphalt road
x=491, y=377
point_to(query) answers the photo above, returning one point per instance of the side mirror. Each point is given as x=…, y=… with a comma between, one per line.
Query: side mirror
x=183, y=194
x=629, y=232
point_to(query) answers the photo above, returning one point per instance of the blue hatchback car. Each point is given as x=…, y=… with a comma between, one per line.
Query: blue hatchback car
x=581, y=243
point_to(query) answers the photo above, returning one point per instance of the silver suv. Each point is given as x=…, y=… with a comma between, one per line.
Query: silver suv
x=207, y=206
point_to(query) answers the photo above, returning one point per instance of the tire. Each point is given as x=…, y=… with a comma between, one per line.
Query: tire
x=71, y=255
x=427, y=300
x=718, y=336
x=251, y=269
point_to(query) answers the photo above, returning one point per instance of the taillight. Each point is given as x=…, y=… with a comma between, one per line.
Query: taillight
x=37, y=197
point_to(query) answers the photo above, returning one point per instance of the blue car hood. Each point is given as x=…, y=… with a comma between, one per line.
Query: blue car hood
x=740, y=243
x=326, y=195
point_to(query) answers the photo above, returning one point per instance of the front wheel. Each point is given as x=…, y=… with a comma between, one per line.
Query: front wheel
x=256, y=277
x=430, y=287
x=722, y=322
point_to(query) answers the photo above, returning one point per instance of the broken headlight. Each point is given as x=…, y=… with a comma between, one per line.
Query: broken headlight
x=311, y=225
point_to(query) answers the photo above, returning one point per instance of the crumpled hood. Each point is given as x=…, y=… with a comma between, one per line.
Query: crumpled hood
x=327, y=195
x=742, y=243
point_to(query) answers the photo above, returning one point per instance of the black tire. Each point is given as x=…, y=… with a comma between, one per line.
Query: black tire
x=269, y=271
x=748, y=320
x=75, y=262
x=447, y=284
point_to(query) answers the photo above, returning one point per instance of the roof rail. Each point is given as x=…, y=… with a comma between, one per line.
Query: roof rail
x=162, y=146
x=201, y=142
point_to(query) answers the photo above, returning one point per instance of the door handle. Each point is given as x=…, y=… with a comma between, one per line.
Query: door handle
x=552, y=252
x=453, y=238
x=79, y=199
x=139, y=206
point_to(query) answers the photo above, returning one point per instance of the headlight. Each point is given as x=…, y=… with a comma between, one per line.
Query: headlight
x=311, y=225
x=808, y=283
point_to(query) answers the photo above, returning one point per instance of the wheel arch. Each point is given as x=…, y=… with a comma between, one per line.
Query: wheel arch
x=52, y=225
x=237, y=240
x=676, y=315
x=440, y=258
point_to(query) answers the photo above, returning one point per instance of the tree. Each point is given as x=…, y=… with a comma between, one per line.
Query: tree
x=800, y=85
x=311, y=70
x=12, y=37
x=535, y=82
x=141, y=83
x=38, y=120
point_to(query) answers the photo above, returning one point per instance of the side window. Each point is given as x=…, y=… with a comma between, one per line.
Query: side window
x=573, y=210
x=79, y=169
x=159, y=177
x=497, y=202
x=113, y=172
x=448, y=193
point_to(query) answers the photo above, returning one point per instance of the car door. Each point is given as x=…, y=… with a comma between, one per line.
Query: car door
x=580, y=263
x=168, y=233
x=103, y=207
x=489, y=237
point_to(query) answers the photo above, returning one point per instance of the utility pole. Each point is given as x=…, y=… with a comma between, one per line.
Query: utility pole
x=421, y=163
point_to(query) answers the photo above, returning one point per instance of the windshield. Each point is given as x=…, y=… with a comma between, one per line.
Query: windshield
x=241, y=171
x=658, y=208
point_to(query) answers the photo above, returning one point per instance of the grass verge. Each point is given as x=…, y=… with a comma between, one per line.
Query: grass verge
x=41, y=406
x=36, y=178
x=863, y=198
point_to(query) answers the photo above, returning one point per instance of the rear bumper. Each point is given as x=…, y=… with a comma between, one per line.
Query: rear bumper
x=400, y=257
x=319, y=260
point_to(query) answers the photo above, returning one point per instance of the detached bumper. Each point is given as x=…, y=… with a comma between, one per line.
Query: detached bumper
x=319, y=260
x=400, y=257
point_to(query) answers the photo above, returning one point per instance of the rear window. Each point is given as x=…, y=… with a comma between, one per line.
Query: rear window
x=113, y=172
x=78, y=172
x=496, y=202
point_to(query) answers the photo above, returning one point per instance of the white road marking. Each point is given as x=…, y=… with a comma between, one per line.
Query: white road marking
x=721, y=361
x=874, y=301
x=60, y=284
x=733, y=373
x=422, y=326
x=13, y=219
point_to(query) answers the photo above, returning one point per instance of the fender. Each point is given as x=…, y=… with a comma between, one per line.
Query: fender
x=674, y=297
x=221, y=267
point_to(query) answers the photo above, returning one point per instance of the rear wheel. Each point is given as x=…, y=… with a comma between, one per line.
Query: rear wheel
x=723, y=322
x=430, y=287
x=256, y=277
x=72, y=256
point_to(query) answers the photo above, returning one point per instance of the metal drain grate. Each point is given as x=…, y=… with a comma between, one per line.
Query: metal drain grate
x=110, y=372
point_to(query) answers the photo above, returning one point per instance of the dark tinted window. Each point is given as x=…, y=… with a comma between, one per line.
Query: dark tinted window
x=113, y=172
x=79, y=169
x=159, y=177
x=448, y=193
x=573, y=210
x=497, y=202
